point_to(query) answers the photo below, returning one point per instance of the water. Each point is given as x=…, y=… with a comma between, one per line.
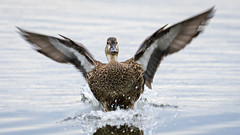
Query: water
x=195, y=91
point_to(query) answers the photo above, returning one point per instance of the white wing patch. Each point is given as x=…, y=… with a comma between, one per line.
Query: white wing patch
x=143, y=61
x=84, y=62
x=70, y=52
x=161, y=44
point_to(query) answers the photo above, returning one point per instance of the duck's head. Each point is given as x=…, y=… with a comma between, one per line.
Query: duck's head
x=112, y=49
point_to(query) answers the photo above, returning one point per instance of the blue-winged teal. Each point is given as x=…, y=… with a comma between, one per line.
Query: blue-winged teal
x=119, y=84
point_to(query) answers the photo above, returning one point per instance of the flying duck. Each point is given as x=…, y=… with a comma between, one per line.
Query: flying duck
x=119, y=84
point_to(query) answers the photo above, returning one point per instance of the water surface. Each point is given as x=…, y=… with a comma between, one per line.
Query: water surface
x=195, y=91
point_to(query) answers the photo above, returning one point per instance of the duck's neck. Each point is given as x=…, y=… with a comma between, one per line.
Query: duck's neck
x=112, y=57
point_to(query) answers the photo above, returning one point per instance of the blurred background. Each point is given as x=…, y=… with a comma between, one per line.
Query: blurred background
x=195, y=91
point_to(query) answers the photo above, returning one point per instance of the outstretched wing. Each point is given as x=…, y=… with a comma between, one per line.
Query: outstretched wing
x=167, y=41
x=61, y=50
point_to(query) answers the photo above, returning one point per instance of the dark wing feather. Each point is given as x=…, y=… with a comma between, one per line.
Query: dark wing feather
x=61, y=50
x=167, y=41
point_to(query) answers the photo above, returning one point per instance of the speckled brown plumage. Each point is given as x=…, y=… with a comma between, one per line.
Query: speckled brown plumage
x=116, y=84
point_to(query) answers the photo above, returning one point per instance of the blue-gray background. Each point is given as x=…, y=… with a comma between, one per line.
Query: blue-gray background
x=198, y=87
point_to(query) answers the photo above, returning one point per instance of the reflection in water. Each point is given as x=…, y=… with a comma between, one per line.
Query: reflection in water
x=119, y=130
x=114, y=122
x=133, y=122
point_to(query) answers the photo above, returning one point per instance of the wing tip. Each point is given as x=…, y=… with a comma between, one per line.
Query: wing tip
x=25, y=35
x=21, y=31
x=211, y=12
x=149, y=84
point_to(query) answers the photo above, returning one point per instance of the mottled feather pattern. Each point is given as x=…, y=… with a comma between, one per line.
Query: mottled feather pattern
x=120, y=83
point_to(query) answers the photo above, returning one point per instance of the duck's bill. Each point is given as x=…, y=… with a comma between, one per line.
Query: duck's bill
x=113, y=49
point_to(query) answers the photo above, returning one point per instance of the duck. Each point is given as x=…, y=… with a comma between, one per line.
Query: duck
x=119, y=84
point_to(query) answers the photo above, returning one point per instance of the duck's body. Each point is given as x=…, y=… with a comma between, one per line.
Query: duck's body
x=120, y=84
x=116, y=84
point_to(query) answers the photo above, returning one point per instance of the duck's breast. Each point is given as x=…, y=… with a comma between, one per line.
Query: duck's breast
x=117, y=82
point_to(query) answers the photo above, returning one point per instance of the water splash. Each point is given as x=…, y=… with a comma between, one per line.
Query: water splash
x=145, y=115
x=88, y=98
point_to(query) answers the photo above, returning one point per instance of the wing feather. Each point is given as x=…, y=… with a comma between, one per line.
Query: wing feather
x=61, y=50
x=167, y=41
